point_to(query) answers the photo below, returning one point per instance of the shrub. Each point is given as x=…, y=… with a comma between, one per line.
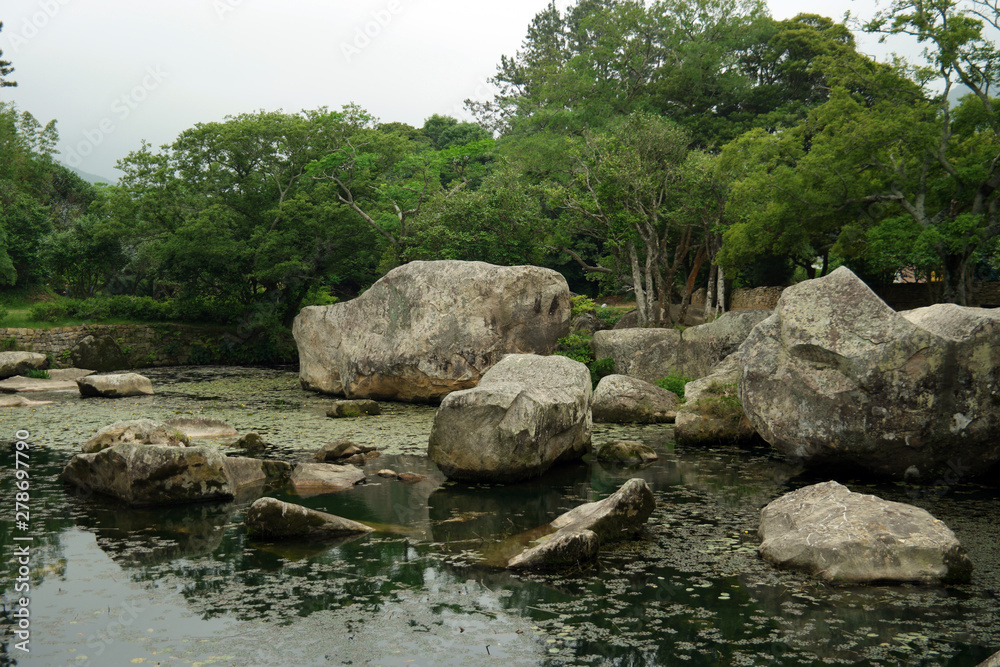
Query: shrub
x=600, y=368
x=674, y=383
x=38, y=374
x=580, y=305
x=48, y=311
x=576, y=347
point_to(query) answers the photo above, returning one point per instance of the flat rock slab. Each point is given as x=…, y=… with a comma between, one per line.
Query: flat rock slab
x=69, y=373
x=271, y=519
x=21, y=402
x=310, y=479
x=19, y=384
x=116, y=385
x=827, y=530
x=196, y=427
x=577, y=535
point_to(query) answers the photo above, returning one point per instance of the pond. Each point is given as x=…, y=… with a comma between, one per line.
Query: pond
x=110, y=585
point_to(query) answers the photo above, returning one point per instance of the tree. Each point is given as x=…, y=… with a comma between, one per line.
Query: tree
x=948, y=184
x=626, y=193
x=227, y=219
x=5, y=70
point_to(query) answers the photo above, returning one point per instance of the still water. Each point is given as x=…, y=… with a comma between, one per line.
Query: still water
x=112, y=585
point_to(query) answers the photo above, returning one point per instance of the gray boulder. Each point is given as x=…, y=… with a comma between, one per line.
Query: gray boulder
x=201, y=427
x=344, y=451
x=310, y=479
x=651, y=354
x=620, y=399
x=528, y=413
x=992, y=661
x=251, y=443
x=711, y=411
x=143, y=475
x=836, y=377
x=100, y=353
x=244, y=472
x=827, y=530
x=354, y=408
x=119, y=385
x=427, y=329
x=19, y=363
x=138, y=431
x=270, y=519
x=577, y=535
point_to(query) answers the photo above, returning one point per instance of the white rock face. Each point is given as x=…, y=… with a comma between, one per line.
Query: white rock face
x=427, y=329
x=528, y=413
x=827, y=530
x=836, y=377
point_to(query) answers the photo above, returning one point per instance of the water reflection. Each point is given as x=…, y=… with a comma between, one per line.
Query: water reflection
x=688, y=589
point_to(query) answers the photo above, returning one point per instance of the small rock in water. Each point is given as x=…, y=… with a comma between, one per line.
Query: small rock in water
x=410, y=478
x=357, y=408
x=251, y=442
x=388, y=474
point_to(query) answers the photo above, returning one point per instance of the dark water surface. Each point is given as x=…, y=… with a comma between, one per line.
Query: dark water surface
x=183, y=586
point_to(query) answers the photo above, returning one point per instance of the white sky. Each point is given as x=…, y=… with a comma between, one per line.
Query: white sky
x=115, y=72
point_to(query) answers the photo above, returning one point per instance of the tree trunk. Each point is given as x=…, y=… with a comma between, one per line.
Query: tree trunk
x=640, y=295
x=713, y=273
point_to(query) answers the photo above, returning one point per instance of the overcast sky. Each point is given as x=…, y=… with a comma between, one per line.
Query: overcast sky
x=115, y=72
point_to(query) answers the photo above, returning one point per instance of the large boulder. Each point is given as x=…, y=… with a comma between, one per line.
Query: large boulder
x=118, y=385
x=827, y=530
x=836, y=377
x=651, y=354
x=270, y=519
x=19, y=363
x=143, y=475
x=620, y=399
x=427, y=329
x=576, y=535
x=528, y=413
x=711, y=411
x=139, y=431
x=99, y=353
x=992, y=661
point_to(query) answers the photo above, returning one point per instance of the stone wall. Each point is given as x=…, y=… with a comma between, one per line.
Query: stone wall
x=141, y=345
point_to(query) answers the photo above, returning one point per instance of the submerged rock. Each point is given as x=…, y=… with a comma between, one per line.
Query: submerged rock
x=20, y=402
x=19, y=363
x=626, y=452
x=250, y=442
x=836, y=377
x=711, y=411
x=118, y=385
x=200, y=427
x=139, y=431
x=309, y=479
x=344, y=451
x=827, y=530
x=354, y=408
x=577, y=535
x=269, y=519
x=528, y=413
x=620, y=399
x=427, y=329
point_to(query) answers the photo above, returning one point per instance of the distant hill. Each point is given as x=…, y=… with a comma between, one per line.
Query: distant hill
x=91, y=178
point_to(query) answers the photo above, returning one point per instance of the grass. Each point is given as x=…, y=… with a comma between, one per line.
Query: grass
x=18, y=303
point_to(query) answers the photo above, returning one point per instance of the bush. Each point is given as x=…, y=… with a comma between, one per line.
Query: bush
x=580, y=305
x=674, y=383
x=48, y=311
x=37, y=374
x=576, y=347
x=601, y=368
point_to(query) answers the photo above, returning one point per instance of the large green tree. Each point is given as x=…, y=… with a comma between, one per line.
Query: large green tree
x=5, y=69
x=227, y=216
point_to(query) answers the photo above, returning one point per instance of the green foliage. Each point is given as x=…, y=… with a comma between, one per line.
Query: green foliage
x=575, y=346
x=600, y=368
x=4, y=312
x=37, y=374
x=8, y=344
x=674, y=383
x=580, y=305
